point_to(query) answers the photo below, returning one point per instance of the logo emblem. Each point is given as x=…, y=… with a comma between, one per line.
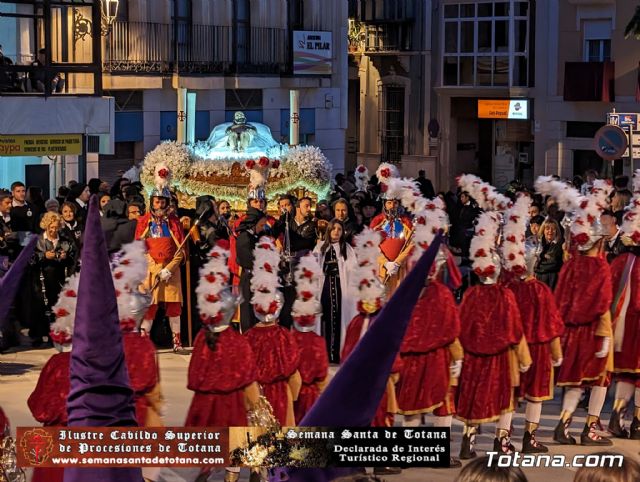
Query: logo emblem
x=36, y=446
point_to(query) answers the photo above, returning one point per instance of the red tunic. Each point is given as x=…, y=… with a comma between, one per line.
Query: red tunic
x=434, y=325
x=314, y=366
x=627, y=360
x=354, y=332
x=140, y=357
x=277, y=358
x=48, y=405
x=542, y=323
x=176, y=230
x=583, y=295
x=218, y=379
x=491, y=325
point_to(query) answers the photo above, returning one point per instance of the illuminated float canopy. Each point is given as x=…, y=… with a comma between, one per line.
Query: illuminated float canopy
x=220, y=165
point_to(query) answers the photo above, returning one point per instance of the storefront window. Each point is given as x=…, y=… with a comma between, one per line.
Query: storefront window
x=487, y=44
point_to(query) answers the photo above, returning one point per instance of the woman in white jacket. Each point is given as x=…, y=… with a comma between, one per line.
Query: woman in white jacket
x=338, y=260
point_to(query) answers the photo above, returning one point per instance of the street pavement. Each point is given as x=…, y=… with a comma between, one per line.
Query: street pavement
x=19, y=371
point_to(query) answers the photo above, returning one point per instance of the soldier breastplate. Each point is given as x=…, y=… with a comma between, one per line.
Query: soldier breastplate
x=394, y=239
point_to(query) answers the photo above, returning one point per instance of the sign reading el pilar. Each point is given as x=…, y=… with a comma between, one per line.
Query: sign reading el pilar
x=312, y=53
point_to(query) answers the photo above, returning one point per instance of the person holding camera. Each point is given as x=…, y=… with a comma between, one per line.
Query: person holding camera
x=54, y=260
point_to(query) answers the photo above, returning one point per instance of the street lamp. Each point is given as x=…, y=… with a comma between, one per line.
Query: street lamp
x=109, y=14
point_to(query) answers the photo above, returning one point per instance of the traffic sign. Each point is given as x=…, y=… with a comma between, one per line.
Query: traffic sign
x=611, y=142
x=624, y=119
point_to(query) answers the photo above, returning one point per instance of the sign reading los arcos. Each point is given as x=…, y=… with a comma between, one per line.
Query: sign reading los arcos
x=312, y=53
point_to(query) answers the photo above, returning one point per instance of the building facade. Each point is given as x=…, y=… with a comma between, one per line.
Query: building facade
x=233, y=54
x=503, y=89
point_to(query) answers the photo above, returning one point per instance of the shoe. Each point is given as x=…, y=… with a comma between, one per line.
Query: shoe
x=561, y=433
x=531, y=446
x=616, y=425
x=467, y=447
x=177, y=345
x=231, y=476
x=503, y=445
x=589, y=436
x=634, y=431
x=255, y=477
x=387, y=470
x=454, y=463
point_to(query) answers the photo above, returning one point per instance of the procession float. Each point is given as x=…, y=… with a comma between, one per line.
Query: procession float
x=236, y=155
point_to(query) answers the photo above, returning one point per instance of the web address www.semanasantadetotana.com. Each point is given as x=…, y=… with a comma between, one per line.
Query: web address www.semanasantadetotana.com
x=546, y=460
x=138, y=461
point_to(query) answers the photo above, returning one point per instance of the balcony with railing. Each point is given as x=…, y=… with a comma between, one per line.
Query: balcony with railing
x=382, y=11
x=154, y=48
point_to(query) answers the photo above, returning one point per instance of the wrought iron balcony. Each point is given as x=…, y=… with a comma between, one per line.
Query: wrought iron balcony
x=382, y=11
x=138, y=47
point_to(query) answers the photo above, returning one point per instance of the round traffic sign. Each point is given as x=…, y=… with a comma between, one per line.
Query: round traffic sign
x=611, y=142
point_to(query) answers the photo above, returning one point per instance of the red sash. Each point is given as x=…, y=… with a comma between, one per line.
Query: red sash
x=161, y=250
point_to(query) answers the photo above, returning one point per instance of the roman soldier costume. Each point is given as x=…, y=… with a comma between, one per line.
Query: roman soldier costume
x=541, y=320
x=583, y=296
x=222, y=371
x=48, y=402
x=625, y=274
x=275, y=348
x=396, y=231
x=371, y=297
x=306, y=314
x=163, y=236
x=495, y=350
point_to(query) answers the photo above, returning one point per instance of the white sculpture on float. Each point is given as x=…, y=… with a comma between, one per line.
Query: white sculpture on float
x=240, y=140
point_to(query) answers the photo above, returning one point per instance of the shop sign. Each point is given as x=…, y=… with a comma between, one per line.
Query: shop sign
x=312, y=53
x=517, y=109
x=40, y=145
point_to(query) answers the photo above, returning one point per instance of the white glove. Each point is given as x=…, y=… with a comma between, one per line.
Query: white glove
x=391, y=267
x=524, y=369
x=455, y=369
x=557, y=362
x=604, y=351
x=164, y=274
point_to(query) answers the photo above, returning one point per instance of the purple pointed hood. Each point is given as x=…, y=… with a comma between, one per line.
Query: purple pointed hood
x=10, y=282
x=100, y=394
x=353, y=396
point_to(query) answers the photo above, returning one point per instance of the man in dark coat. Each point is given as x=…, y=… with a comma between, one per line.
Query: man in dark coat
x=426, y=187
x=249, y=231
x=462, y=224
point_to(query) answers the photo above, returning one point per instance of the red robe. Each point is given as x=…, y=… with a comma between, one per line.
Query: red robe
x=425, y=376
x=277, y=358
x=491, y=325
x=627, y=360
x=48, y=405
x=314, y=367
x=140, y=357
x=218, y=379
x=383, y=417
x=542, y=323
x=583, y=295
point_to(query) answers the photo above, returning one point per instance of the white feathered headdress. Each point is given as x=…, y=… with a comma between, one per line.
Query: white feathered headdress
x=483, y=254
x=128, y=272
x=631, y=220
x=487, y=197
x=267, y=299
x=362, y=177
x=61, y=330
x=307, y=308
x=427, y=223
x=566, y=197
x=367, y=287
x=215, y=302
x=513, y=236
x=386, y=173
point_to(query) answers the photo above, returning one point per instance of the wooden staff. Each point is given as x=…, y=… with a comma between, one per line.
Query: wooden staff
x=188, y=273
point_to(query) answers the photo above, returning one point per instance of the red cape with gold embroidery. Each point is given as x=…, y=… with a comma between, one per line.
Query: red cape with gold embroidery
x=277, y=358
x=628, y=358
x=314, y=367
x=540, y=317
x=140, y=357
x=219, y=377
x=583, y=293
x=434, y=323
